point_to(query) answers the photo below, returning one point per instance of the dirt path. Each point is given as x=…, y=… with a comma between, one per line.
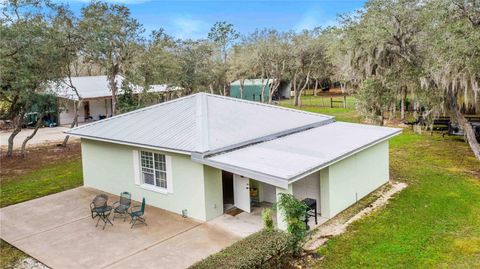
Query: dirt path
x=339, y=226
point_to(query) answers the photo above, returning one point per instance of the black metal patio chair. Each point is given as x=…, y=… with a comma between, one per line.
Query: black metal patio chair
x=104, y=213
x=137, y=214
x=99, y=202
x=121, y=207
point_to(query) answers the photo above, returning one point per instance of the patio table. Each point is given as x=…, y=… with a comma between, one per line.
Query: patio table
x=103, y=213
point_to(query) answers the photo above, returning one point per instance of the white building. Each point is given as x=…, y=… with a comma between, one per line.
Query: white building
x=203, y=153
x=97, y=97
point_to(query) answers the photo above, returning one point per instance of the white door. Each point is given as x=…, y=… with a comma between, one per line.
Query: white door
x=241, y=187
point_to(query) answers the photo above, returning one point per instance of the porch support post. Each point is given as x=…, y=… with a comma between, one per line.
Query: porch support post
x=325, y=192
x=281, y=224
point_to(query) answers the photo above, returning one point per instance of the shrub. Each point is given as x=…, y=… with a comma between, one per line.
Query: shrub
x=253, y=251
x=294, y=213
x=267, y=217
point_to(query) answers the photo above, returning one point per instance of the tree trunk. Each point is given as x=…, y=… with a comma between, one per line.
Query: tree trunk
x=17, y=121
x=264, y=85
x=210, y=86
x=273, y=89
x=24, y=143
x=467, y=128
x=113, y=88
x=224, y=89
x=316, y=88
x=402, y=103
x=307, y=79
x=75, y=121
x=242, y=81
x=295, y=91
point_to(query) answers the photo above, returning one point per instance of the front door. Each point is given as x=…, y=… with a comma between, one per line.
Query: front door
x=86, y=110
x=242, y=192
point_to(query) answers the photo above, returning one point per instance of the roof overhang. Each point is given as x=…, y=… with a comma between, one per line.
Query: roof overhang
x=127, y=143
x=262, y=177
x=353, y=152
x=278, y=179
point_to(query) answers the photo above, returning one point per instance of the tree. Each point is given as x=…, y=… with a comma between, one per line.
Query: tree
x=126, y=100
x=157, y=62
x=30, y=57
x=242, y=65
x=223, y=34
x=452, y=58
x=42, y=104
x=427, y=51
x=111, y=39
x=195, y=65
x=270, y=50
x=308, y=61
x=68, y=34
x=373, y=99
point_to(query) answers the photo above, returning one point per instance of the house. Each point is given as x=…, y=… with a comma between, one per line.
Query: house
x=97, y=97
x=201, y=154
x=252, y=90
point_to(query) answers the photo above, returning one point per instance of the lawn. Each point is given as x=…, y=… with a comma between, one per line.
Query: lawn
x=56, y=176
x=434, y=223
x=321, y=104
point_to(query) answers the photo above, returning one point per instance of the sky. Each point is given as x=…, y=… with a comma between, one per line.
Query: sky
x=194, y=18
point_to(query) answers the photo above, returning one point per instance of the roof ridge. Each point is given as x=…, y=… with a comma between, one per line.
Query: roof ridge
x=133, y=112
x=201, y=121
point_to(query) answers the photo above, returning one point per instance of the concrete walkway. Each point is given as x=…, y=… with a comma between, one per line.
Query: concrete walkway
x=44, y=136
x=58, y=231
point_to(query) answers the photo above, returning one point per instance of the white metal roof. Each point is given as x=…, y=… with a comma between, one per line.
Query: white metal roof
x=287, y=158
x=163, y=88
x=87, y=87
x=98, y=86
x=201, y=123
x=254, y=81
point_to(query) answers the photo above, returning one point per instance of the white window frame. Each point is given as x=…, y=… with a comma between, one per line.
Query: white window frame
x=155, y=165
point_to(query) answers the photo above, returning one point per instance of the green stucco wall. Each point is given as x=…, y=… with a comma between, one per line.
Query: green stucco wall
x=109, y=167
x=213, y=192
x=349, y=180
x=250, y=92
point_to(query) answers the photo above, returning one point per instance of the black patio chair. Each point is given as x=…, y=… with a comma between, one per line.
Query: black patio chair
x=104, y=213
x=136, y=213
x=99, y=202
x=121, y=207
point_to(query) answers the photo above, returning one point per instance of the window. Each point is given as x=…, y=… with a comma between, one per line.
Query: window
x=154, y=169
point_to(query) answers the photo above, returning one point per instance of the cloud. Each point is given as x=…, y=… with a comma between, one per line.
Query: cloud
x=187, y=27
x=313, y=19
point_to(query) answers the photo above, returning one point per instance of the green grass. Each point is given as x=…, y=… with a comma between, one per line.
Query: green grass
x=434, y=223
x=321, y=105
x=48, y=180
x=9, y=255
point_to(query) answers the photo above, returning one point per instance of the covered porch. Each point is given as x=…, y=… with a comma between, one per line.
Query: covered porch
x=244, y=199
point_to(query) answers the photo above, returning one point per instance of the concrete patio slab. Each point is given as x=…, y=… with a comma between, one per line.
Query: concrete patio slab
x=34, y=216
x=58, y=231
x=182, y=250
